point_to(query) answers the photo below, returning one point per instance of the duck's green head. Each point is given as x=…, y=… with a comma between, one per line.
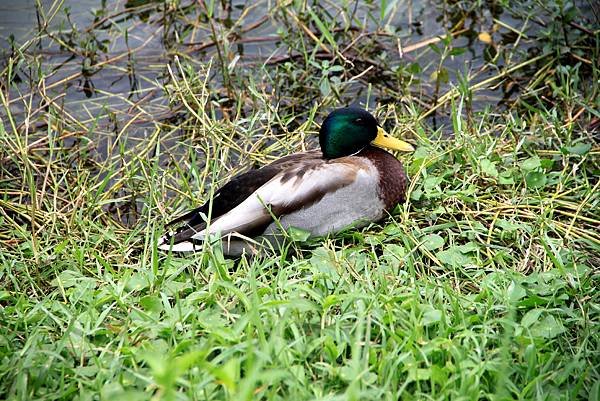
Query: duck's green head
x=346, y=131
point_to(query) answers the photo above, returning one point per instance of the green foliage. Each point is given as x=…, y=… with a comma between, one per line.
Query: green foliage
x=482, y=286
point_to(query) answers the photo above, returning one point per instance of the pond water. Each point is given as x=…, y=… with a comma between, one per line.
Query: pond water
x=102, y=58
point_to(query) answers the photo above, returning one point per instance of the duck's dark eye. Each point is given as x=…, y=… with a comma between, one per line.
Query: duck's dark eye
x=358, y=121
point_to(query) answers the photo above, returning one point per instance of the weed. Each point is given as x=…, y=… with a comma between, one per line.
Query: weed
x=483, y=285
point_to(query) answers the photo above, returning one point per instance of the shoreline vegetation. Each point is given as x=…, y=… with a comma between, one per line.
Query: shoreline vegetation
x=482, y=286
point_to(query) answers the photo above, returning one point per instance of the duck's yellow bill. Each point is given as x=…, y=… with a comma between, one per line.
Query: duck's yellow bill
x=384, y=140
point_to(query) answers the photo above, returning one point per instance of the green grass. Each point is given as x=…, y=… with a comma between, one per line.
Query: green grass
x=482, y=286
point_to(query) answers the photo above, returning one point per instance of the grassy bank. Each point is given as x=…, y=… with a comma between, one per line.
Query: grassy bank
x=482, y=286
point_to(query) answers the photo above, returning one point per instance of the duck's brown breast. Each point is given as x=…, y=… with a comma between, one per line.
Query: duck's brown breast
x=392, y=178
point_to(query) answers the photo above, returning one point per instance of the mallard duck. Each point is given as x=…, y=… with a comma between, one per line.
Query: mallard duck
x=349, y=182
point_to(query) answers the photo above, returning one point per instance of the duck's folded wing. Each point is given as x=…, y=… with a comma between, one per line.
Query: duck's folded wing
x=291, y=189
x=239, y=188
x=231, y=195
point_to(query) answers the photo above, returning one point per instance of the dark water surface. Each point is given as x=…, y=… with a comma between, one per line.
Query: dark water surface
x=102, y=93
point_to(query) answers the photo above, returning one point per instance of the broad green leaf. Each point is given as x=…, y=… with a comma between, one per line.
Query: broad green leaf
x=508, y=225
x=549, y=327
x=489, y=168
x=228, y=373
x=432, y=316
x=531, y=317
x=530, y=164
x=432, y=241
x=580, y=148
x=453, y=257
x=535, y=179
x=298, y=234
x=516, y=292
x=393, y=254
x=546, y=164
x=506, y=178
x=151, y=303
x=432, y=184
